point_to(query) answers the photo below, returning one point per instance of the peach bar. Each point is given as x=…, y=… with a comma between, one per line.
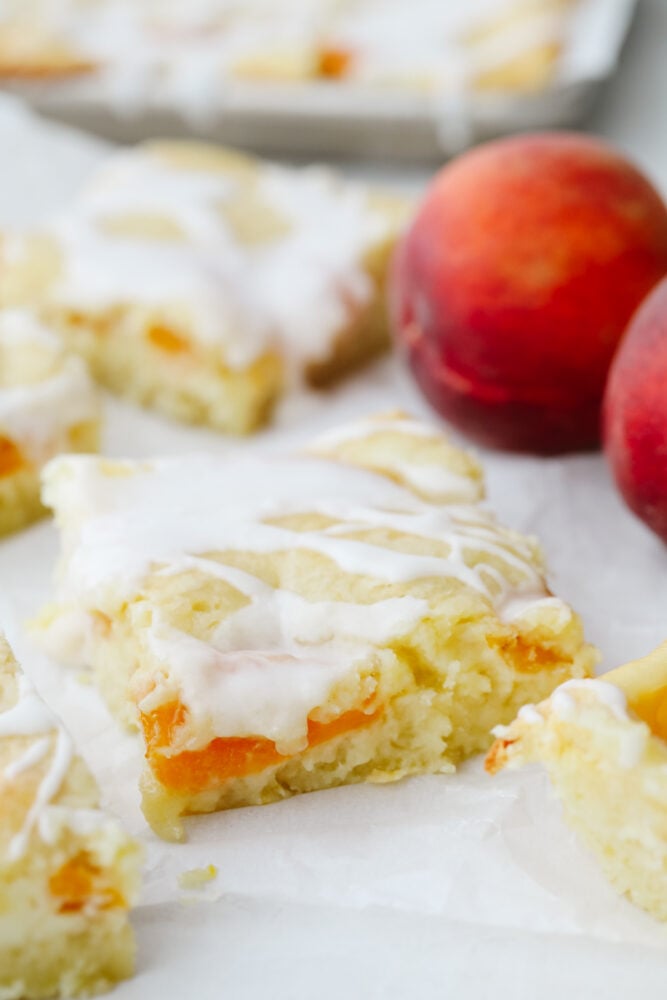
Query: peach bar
x=204, y=284
x=68, y=872
x=276, y=625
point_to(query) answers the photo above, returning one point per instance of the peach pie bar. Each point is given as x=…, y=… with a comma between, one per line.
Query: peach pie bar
x=604, y=744
x=200, y=282
x=47, y=405
x=68, y=873
x=278, y=625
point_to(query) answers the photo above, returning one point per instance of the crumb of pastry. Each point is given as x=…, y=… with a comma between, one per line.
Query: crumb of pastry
x=197, y=878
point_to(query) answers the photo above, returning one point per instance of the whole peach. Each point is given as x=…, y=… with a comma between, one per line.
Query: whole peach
x=635, y=413
x=516, y=280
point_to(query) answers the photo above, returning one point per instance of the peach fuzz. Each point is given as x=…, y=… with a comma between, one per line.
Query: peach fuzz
x=515, y=283
x=635, y=413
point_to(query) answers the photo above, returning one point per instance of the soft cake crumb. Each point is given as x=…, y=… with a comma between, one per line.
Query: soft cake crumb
x=197, y=878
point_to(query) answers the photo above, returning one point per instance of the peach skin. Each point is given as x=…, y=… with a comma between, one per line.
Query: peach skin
x=516, y=280
x=635, y=413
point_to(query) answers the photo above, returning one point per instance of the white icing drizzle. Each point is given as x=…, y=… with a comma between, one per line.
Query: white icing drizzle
x=49, y=787
x=360, y=430
x=630, y=741
x=122, y=521
x=501, y=732
x=116, y=527
x=298, y=289
x=312, y=283
x=193, y=279
x=33, y=756
x=530, y=715
x=270, y=664
x=30, y=717
x=517, y=606
x=564, y=705
x=431, y=479
x=541, y=27
x=37, y=414
x=248, y=692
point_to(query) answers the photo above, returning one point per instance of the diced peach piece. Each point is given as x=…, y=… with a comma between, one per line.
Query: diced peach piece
x=527, y=657
x=225, y=758
x=651, y=707
x=168, y=341
x=333, y=63
x=11, y=459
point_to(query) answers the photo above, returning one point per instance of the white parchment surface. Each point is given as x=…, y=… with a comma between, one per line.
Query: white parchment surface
x=448, y=886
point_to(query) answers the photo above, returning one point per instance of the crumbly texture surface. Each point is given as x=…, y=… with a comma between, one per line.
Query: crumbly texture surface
x=68, y=873
x=441, y=699
x=432, y=622
x=190, y=386
x=244, y=293
x=608, y=765
x=514, y=46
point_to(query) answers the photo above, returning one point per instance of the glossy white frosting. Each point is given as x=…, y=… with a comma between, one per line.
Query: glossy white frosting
x=271, y=663
x=38, y=414
x=30, y=717
x=115, y=527
x=564, y=704
x=433, y=480
x=630, y=740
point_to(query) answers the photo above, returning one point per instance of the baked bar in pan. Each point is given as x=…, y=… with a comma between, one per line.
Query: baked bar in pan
x=205, y=49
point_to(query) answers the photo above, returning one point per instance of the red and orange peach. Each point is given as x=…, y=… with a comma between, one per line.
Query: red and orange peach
x=513, y=286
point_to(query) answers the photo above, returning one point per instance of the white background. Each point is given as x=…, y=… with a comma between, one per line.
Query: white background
x=459, y=886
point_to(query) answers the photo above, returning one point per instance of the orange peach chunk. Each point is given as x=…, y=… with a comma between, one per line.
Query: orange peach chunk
x=225, y=758
x=77, y=884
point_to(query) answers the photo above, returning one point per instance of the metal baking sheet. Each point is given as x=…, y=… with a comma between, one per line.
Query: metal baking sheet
x=330, y=119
